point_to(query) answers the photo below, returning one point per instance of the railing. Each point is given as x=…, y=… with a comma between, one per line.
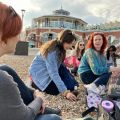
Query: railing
x=82, y=29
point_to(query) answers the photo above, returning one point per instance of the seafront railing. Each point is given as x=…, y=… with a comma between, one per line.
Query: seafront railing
x=82, y=29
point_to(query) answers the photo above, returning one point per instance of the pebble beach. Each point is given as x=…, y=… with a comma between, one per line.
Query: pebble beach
x=69, y=109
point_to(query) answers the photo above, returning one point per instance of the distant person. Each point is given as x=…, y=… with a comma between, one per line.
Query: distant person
x=17, y=101
x=93, y=69
x=79, y=49
x=69, y=61
x=112, y=56
x=47, y=70
x=73, y=60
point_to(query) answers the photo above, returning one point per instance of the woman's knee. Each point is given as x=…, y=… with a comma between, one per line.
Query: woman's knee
x=6, y=68
x=9, y=70
x=55, y=117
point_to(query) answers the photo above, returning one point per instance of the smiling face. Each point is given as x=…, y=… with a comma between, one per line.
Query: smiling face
x=98, y=42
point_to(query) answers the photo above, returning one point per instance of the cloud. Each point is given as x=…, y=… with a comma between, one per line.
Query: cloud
x=108, y=10
x=92, y=11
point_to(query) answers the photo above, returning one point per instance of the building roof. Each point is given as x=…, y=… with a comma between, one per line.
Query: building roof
x=60, y=16
x=61, y=12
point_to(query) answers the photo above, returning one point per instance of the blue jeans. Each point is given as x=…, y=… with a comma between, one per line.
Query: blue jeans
x=66, y=77
x=26, y=93
x=89, y=77
x=48, y=117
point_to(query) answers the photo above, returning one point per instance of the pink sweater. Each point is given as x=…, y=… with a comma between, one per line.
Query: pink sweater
x=72, y=60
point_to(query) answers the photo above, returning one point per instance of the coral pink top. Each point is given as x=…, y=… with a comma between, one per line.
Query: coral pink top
x=72, y=60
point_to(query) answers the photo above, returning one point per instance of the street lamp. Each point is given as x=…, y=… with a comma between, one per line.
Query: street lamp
x=23, y=12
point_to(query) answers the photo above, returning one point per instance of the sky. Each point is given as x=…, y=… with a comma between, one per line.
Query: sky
x=91, y=11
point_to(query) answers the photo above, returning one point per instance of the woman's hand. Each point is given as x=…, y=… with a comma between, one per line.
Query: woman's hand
x=37, y=93
x=115, y=69
x=42, y=109
x=70, y=96
x=69, y=65
x=116, y=74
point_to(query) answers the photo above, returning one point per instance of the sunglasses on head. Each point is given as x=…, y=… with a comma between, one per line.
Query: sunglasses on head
x=12, y=11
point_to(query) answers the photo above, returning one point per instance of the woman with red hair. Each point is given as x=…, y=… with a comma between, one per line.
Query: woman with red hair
x=93, y=69
x=17, y=101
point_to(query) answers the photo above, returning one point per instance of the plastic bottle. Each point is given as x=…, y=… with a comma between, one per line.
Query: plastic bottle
x=75, y=92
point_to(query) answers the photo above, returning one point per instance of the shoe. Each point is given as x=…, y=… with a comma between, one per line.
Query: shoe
x=56, y=111
x=92, y=87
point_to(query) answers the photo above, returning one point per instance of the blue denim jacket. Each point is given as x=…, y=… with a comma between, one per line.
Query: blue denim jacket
x=44, y=70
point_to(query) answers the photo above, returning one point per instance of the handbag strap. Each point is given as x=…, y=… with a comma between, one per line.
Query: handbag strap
x=88, y=111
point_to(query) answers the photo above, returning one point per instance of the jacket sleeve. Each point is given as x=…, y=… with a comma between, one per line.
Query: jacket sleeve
x=12, y=97
x=93, y=63
x=52, y=67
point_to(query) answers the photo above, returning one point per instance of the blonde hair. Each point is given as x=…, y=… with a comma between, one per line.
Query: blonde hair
x=77, y=49
x=65, y=36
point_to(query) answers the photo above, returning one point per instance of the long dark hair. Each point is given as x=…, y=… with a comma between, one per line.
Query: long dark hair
x=111, y=48
x=65, y=36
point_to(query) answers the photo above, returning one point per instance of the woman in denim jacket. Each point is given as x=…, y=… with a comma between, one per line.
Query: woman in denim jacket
x=47, y=71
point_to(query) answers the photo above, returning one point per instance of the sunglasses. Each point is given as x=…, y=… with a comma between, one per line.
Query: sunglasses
x=81, y=44
x=12, y=11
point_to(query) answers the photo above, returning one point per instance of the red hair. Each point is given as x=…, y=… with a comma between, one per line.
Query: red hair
x=10, y=22
x=90, y=42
